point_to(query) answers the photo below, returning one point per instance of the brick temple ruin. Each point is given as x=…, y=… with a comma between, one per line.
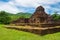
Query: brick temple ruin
x=40, y=23
x=39, y=18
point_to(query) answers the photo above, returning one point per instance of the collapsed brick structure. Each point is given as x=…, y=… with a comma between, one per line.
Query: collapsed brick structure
x=44, y=22
x=39, y=18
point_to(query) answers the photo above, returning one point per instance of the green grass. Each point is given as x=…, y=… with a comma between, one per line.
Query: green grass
x=11, y=34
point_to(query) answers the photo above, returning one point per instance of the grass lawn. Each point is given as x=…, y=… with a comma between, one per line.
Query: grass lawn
x=11, y=34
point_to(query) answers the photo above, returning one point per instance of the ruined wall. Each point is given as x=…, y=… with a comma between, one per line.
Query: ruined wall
x=39, y=17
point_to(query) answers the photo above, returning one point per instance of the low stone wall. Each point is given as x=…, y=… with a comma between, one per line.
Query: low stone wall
x=37, y=25
x=38, y=31
x=43, y=25
x=49, y=25
x=42, y=32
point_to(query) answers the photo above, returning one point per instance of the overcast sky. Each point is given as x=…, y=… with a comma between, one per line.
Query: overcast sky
x=14, y=6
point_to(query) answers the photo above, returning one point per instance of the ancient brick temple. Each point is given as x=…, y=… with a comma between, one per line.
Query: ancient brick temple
x=39, y=23
x=39, y=18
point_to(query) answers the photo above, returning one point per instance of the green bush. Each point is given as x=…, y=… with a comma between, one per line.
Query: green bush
x=56, y=16
x=4, y=17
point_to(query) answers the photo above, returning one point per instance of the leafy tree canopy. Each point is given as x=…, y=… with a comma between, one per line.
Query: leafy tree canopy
x=56, y=16
x=4, y=17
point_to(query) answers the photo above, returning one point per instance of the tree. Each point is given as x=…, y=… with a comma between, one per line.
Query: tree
x=4, y=17
x=56, y=16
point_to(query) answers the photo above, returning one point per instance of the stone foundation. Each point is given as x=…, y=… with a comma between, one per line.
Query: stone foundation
x=37, y=25
x=40, y=31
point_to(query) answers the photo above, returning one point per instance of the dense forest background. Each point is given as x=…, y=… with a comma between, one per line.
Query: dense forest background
x=6, y=17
